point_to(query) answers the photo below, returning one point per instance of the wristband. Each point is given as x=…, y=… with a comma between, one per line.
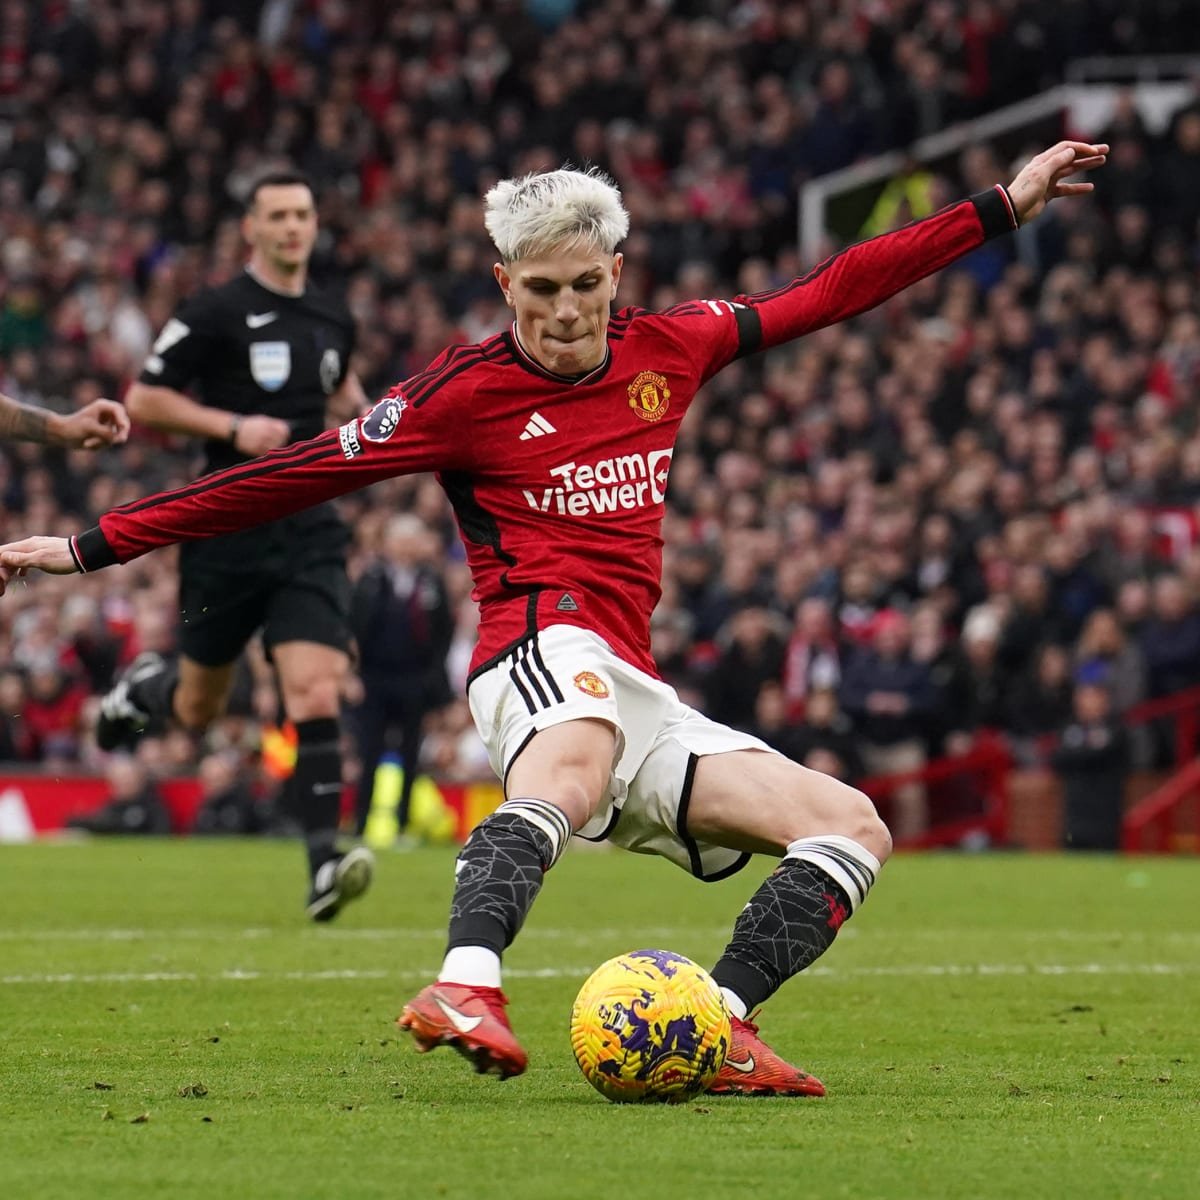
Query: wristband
x=234, y=426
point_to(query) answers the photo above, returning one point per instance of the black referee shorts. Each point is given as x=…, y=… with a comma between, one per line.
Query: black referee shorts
x=220, y=611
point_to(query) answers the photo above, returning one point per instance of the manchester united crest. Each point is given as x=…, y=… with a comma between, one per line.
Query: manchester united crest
x=590, y=684
x=649, y=396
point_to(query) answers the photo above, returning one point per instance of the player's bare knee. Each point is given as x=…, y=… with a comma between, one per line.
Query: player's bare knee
x=852, y=814
x=866, y=825
x=197, y=710
x=312, y=699
x=873, y=833
x=573, y=797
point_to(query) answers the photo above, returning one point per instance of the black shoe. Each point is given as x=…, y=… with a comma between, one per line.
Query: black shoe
x=122, y=721
x=338, y=881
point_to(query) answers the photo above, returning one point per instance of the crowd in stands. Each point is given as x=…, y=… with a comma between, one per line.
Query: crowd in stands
x=942, y=517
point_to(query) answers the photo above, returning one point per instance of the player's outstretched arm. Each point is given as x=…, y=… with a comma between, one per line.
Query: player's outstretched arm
x=431, y=437
x=868, y=273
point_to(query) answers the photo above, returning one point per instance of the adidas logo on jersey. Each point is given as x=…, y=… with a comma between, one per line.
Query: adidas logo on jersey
x=537, y=426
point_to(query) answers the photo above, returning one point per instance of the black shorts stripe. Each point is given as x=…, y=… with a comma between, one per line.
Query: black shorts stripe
x=541, y=663
x=524, y=663
x=529, y=704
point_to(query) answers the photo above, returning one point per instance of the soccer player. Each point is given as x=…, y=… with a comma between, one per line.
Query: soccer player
x=553, y=440
x=98, y=424
x=268, y=355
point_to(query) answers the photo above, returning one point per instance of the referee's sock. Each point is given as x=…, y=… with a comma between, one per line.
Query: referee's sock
x=316, y=787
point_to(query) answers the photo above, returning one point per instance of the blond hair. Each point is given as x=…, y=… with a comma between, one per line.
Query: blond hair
x=550, y=210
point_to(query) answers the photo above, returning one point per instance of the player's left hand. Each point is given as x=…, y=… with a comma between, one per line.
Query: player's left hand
x=1041, y=179
x=101, y=423
x=49, y=554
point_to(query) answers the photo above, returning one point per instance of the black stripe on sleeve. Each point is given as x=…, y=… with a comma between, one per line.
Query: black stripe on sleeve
x=749, y=327
x=300, y=454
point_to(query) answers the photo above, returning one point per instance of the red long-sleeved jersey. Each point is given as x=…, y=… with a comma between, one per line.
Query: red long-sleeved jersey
x=557, y=484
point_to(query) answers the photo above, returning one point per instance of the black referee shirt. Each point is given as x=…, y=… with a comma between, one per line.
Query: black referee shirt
x=249, y=350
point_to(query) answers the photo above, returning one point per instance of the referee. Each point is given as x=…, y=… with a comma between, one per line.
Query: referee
x=267, y=358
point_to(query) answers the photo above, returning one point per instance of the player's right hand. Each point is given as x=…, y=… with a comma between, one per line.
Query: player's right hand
x=101, y=423
x=256, y=435
x=49, y=554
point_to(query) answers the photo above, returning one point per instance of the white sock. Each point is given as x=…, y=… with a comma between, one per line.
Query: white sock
x=735, y=1004
x=476, y=966
x=850, y=865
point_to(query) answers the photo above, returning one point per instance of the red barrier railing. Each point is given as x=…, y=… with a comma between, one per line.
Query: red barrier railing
x=1168, y=820
x=977, y=782
x=1184, y=709
x=967, y=795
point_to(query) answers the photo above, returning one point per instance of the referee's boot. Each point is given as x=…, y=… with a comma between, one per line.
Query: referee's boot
x=338, y=881
x=124, y=716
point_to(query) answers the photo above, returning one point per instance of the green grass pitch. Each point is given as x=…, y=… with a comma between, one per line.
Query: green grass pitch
x=986, y=1026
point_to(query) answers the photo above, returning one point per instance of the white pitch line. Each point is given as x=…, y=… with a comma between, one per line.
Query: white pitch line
x=645, y=936
x=932, y=970
x=582, y=936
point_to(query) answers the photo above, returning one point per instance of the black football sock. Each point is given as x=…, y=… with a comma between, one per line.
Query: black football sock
x=498, y=873
x=794, y=916
x=315, y=789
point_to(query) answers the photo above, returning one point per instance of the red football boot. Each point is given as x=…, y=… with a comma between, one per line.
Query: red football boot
x=469, y=1019
x=752, y=1068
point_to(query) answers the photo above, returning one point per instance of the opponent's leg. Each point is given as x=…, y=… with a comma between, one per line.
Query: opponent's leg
x=833, y=844
x=153, y=691
x=555, y=786
x=310, y=676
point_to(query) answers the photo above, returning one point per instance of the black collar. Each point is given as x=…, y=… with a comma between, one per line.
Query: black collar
x=531, y=364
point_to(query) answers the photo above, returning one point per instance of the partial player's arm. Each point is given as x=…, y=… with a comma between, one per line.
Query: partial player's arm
x=172, y=411
x=870, y=272
x=394, y=438
x=100, y=423
x=182, y=352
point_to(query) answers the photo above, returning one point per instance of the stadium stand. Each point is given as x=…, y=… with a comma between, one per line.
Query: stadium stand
x=991, y=485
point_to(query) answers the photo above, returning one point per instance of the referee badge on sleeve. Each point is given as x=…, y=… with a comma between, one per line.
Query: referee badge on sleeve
x=270, y=364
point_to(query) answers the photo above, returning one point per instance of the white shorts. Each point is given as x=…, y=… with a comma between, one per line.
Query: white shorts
x=564, y=673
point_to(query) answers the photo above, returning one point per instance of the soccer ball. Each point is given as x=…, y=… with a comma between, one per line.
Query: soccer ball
x=650, y=1025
